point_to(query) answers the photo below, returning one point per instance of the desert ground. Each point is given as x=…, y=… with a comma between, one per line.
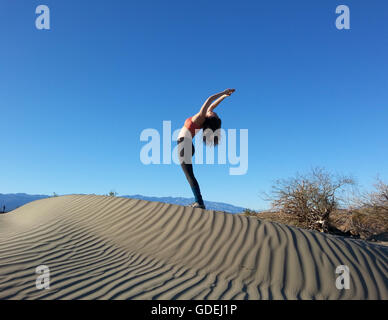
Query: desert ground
x=101, y=247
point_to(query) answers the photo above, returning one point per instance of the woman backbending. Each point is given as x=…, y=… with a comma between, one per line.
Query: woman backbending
x=209, y=121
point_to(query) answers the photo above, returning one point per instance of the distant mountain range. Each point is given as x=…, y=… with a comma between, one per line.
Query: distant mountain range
x=210, y=205
x=12, y=201
x=15, y=200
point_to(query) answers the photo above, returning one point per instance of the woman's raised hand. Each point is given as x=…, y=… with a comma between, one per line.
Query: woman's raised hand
x=228, y=92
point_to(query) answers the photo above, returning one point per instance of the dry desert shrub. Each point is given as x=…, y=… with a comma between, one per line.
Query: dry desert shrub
x=370, y=212
x=313, y=202
x=309, y=198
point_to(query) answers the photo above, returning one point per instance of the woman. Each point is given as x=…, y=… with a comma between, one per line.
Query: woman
x=209, y=121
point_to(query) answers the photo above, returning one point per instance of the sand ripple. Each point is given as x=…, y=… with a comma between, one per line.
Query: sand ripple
x=114, y=248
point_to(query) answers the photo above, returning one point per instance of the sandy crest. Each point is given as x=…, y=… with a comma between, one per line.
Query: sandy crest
x=101, y=247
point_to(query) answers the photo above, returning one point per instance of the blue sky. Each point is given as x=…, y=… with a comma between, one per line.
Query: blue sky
x=74, y=99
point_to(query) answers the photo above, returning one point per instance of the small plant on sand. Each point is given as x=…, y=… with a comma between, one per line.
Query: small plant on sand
x=249, y=213
x=112, y=193
x=311, y=198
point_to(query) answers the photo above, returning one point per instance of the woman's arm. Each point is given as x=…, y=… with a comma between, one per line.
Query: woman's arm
x=217, y=102
x=199, y=118
x=209, y=102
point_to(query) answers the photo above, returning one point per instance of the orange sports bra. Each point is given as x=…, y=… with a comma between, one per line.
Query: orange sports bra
x=189, y=124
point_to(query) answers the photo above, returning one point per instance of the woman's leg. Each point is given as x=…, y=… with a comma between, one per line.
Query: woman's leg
x=188, y=171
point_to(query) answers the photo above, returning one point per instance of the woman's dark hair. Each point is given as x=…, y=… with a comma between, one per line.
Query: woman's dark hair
x=210, y=134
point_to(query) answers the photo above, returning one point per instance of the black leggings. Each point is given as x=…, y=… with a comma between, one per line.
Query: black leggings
x=188, y=171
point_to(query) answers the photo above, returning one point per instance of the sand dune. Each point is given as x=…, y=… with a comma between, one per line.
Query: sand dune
x=114, y=248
